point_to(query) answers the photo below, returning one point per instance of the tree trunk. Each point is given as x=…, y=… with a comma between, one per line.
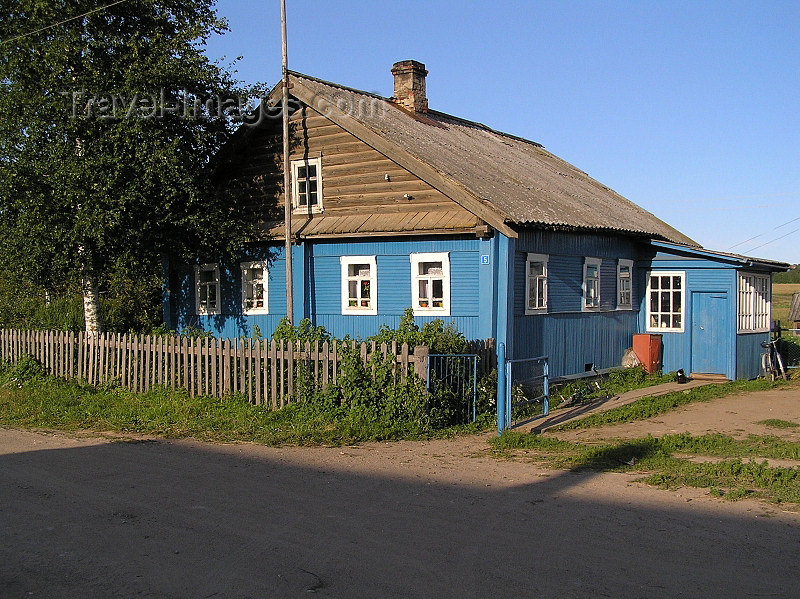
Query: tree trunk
x=91, y=307
x=91, y=295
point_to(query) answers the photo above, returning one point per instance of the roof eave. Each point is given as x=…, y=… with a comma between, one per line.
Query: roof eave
x=744, y=261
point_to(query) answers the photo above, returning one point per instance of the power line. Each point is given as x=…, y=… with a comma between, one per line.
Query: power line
x=762, y=234
x=86, y=14
x=774, y=240
x=729, y=198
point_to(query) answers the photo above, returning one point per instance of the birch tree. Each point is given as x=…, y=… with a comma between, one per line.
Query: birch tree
x=110, y=119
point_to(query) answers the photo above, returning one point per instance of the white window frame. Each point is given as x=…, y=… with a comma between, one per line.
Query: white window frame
x=532, y=286
x=621, y=304
x=245, y=266
x=416, y=277
x=200, y=309
x=587, y=262
x=316, y=207
x=346, y=262
x=648, y=302
x=754, y=306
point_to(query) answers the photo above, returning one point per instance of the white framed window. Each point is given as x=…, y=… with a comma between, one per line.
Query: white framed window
x=430, y=284
x=666, y=295
x=755, y=303
x=359, y=285
x=536, y=284
x=255, y=296
x=307, y=185
x=624, y=284
x=207, y=293
x=591, y=283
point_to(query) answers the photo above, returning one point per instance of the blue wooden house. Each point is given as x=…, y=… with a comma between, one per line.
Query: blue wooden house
x=396, y=206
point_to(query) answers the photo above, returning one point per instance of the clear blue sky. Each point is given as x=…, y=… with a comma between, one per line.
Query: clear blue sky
x=688, y=108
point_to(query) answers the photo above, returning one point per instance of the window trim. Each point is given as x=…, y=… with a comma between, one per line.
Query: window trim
x=317, y=206
x=532, y=258
x=666, y=273
x=244, y=266
x=345, y=262
x=199, y=310
x=585, y=287
x=416, y=259
x=622, y=262
x=753, y=295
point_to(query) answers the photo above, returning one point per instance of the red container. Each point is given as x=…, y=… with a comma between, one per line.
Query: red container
x=647, y=348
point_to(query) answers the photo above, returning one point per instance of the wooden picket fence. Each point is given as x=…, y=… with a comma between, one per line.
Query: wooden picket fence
x=264, y=372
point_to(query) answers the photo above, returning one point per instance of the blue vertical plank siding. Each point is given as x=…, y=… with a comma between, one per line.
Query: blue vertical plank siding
x=748, y=354
x=573, y=340
x=689, y=349
x=487, y=284
x=570, y=337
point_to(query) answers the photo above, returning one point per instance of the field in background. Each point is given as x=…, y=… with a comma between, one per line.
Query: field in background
x=782, y=299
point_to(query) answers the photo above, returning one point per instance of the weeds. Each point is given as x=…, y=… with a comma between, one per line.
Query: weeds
x=647, y=407
x=777, y=423
x=661, y=462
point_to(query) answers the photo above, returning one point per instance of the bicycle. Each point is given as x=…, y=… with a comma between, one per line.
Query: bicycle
x=771, y=361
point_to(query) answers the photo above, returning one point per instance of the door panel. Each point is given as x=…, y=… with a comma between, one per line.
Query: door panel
x=709, y=342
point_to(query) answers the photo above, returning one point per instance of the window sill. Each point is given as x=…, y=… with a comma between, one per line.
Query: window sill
x=306, y=211
x=431, y=312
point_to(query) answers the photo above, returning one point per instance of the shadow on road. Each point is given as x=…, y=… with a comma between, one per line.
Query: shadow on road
x=180, y=519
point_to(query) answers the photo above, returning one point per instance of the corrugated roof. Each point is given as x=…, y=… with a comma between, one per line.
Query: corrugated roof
x=745, y=261
x=518, y=178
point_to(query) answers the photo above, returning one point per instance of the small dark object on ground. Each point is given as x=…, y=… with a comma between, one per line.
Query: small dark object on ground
x=680, y=377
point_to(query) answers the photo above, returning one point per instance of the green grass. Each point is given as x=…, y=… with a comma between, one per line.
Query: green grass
x=777, y=423
x=52, y=404
x=616, y=382
x=648, y=407
x=661, y=463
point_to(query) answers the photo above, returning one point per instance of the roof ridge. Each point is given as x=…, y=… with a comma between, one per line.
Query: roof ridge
x=435, y=112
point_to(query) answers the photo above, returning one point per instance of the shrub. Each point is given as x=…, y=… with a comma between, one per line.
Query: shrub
x=374, y=391
x=26, y=370
x=441, y=338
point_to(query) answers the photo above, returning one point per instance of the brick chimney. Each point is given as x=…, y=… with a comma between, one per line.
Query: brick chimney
x=409, y=85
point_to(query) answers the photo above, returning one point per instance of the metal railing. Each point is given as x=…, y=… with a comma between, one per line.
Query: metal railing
x=523, y=390
x=453, y=379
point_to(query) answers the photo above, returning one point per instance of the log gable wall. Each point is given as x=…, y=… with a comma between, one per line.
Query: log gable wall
x=363, y=190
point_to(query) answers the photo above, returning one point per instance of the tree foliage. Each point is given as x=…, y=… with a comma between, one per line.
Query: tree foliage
x=109, y=125
x=792, y=276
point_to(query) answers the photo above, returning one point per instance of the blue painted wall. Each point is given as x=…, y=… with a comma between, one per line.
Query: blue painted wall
x=323, y=300
x=488, y=294
x=702, y=276
x=317, y=287
x=231, y=322
x=736, y=356
x=748, y=354
x=570, y=337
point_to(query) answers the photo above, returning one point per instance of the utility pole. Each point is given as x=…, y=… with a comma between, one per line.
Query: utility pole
x=287, y=173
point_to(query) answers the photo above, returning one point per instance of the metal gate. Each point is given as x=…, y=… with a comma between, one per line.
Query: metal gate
x=523, y=390
x=453, y=380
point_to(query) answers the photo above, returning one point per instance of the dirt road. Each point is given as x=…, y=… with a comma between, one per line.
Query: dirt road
x=86, y=517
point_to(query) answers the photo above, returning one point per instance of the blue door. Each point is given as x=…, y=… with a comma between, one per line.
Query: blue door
x=709, y=325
